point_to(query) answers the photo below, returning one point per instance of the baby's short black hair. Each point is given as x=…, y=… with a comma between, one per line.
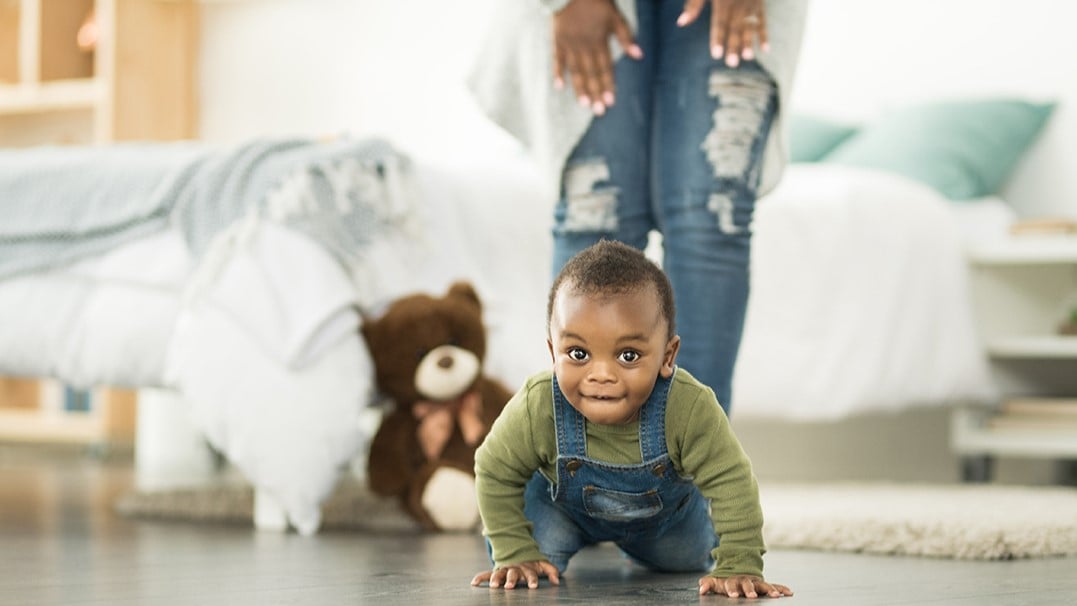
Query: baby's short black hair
x=610, y=268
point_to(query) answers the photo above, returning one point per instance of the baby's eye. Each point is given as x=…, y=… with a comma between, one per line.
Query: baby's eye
x=577, y=354
x=628, y=356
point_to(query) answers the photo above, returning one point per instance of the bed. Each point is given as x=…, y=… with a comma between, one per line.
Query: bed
x=859, y=299
x=858, y=304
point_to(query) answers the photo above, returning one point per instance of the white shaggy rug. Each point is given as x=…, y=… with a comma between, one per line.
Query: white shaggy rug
x=964, y=521
x=981, y=522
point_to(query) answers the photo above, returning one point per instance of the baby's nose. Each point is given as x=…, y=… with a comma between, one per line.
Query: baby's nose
x=603, y=371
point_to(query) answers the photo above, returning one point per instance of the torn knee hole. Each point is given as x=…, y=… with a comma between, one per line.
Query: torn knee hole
x=590, y=199
x=744, y=105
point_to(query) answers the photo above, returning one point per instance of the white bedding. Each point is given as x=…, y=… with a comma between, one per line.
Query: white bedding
x=104, y=321
x=259, y=338
x=858, y=304
x=859, y=300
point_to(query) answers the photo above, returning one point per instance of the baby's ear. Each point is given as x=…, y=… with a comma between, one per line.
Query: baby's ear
x=669, y=360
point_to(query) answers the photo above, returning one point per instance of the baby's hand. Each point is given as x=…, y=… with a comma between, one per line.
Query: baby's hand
x=742, y=584
x=512, y=574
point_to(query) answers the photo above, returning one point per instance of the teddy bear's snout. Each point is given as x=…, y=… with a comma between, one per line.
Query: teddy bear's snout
x=446, y=372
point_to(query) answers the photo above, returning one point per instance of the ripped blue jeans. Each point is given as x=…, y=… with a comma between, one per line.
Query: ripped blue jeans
x=679, y=152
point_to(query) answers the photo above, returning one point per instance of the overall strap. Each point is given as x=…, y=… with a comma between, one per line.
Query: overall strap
x=652, y=420
x=569, y=424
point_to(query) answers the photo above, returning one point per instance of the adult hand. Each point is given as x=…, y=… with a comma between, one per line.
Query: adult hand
x=581, y=33
x=509, y=576
x=735, y=27
x=746, y=585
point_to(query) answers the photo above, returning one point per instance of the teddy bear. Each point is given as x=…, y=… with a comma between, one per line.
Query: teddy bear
x=428, y=357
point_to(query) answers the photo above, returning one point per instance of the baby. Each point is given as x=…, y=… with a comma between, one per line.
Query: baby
x=618, y=444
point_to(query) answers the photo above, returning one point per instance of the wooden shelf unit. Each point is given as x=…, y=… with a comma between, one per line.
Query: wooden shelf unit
x=31, y=410
x=138, y=83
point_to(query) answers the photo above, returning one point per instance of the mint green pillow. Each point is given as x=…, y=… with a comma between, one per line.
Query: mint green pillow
x=811, y=138
x=964, y=149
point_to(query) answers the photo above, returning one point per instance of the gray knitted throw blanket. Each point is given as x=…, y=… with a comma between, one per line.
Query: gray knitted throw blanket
x=62, y=204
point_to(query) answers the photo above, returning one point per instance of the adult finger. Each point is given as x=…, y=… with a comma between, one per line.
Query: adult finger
x=761, y=32
x=735, y=30
x=591, y=63
x=625, y=38
x=604, y=76
x=752, y=28
x=558, y=66
x=690, y=12
x=572, y=62
x=721, y=15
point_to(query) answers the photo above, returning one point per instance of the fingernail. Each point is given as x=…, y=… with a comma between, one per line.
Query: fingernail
x=748, y=54
x=584, y=101
x=716, y=51
x=732, y=60
x=608, y=98
x=558, y=83
x=682, y=20
x=765, y=47
x=635, y=52
x=598, y=108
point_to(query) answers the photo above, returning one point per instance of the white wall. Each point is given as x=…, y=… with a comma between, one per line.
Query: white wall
x=863, y=56
x=386, y=67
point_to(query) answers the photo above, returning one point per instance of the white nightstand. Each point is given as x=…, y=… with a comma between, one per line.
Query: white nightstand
x=1023, y=289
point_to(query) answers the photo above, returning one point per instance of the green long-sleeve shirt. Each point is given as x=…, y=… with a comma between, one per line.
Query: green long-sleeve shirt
x=700, y=442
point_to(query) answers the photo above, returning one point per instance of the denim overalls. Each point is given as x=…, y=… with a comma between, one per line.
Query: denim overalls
x=656, y=517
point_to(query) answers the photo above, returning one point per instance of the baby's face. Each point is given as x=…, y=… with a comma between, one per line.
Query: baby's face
x=608, y=351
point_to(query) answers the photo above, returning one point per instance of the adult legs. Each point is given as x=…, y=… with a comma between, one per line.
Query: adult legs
x=711, y=124
x=605, y=187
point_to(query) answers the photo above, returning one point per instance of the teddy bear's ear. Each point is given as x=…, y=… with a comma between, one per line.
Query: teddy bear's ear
x=466, y=291
x=368, y=327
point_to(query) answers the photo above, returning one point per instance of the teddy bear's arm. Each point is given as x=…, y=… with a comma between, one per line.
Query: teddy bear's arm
x=390, y=466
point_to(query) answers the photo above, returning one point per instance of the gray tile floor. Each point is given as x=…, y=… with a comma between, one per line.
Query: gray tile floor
x=60, y=543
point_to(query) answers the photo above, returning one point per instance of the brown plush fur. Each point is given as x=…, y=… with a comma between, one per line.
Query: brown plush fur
x=397, y=341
